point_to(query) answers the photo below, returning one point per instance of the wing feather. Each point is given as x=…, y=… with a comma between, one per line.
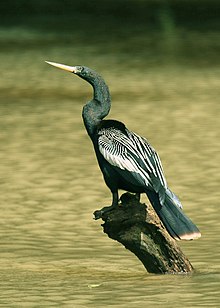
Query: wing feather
x=130, y=152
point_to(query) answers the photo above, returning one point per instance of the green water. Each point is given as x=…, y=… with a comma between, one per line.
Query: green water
x=53, y=254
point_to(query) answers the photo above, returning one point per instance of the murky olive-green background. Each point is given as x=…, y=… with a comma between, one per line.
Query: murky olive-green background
x=164, y=82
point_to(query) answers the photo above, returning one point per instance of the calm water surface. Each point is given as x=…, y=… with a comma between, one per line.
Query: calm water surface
x=52, y=252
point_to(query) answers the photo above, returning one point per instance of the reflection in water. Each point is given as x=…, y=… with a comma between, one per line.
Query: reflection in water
x=52, y=252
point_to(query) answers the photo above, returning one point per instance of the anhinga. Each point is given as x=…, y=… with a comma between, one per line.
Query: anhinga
x=127, y=160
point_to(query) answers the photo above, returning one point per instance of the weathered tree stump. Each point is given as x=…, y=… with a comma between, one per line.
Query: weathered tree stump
x=137, y=227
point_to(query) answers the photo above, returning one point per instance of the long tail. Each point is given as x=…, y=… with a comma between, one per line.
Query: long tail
x=179, y=226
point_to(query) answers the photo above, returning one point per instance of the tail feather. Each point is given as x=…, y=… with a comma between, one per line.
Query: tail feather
x=179, y=226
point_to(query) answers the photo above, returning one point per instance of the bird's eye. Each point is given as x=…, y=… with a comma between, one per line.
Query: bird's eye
x=79, y=69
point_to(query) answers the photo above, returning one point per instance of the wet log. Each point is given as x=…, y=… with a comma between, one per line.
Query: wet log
x=138, y=228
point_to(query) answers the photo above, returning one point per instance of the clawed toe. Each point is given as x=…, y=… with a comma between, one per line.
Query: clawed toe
x=99, y=213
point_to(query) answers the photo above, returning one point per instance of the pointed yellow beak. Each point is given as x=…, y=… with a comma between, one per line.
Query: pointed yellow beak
x=71, y=69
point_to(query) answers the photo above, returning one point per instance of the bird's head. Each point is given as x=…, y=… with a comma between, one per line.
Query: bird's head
x=82, y=71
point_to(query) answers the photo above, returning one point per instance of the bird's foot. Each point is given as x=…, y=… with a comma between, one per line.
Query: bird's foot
x=99, y=213
x=128, y=198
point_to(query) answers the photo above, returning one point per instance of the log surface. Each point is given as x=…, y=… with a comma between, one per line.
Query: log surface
x=138, y=228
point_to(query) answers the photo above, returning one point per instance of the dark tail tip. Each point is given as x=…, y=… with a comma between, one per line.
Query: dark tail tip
x=178, y=225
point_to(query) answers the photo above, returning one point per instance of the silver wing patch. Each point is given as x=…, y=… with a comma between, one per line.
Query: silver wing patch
x=132, y=153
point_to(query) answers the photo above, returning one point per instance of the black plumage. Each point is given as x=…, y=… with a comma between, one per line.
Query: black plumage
x=127, y=160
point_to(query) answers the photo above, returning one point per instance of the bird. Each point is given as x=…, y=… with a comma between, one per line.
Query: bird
x=128, y=162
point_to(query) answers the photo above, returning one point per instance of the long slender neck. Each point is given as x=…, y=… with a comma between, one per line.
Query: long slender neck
x=101, y=93
x=99, y=107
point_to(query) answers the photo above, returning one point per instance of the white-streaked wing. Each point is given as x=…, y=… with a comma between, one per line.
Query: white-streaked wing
x=150, y=156
x=132, y=153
